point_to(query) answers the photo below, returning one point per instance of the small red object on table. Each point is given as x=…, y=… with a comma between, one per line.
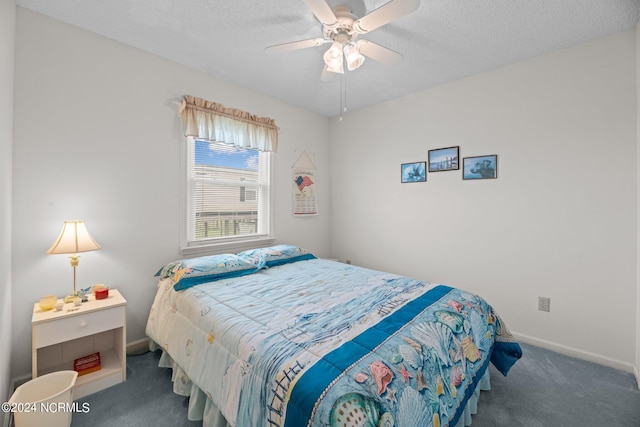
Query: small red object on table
x=102, y=293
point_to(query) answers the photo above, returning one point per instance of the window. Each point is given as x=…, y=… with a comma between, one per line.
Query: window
x=227, y=193
x=227, y=201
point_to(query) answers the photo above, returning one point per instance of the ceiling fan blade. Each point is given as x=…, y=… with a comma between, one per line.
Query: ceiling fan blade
x=322, y=11
x=300, y=44
x=384, y=14
x=379, y=53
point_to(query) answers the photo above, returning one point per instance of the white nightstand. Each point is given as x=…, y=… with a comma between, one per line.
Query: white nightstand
x=60, y=337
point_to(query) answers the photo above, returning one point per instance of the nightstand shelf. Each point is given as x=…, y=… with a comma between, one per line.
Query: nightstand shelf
x=59, y=337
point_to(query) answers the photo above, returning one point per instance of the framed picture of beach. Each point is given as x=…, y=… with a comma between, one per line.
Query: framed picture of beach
x=444, y=159
x=480, y=167
x=413, y=172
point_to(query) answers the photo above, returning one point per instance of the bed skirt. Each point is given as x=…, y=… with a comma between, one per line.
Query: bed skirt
x=202, y=408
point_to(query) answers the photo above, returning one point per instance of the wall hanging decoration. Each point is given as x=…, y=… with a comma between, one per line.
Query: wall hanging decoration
x=304, y=186
x=413, y=172
x=480, y=167
x=444, y=159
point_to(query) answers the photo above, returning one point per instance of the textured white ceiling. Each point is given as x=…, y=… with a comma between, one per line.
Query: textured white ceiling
x=443, y=40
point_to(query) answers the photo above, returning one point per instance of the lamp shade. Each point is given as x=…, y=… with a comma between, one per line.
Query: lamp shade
x=333, y=58
x=73, y=238
x=353, y=56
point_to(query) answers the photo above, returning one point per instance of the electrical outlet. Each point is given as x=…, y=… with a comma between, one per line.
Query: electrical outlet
x=544, y=304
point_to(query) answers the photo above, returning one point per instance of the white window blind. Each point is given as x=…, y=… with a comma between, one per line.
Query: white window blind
x=227, y=190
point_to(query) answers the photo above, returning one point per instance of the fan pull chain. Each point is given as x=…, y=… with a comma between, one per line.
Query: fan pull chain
x=344, y=107
x=341, y=89
x=343, y=94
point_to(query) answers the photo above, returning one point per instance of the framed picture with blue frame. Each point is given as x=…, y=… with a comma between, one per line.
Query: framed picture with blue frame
x=413, y=172
x=480, y=167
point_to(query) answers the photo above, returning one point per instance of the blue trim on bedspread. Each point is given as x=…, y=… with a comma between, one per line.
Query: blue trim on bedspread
x=283, y=261
x=315, y=383
x=470, y=390
x=319, y=376
x=186, y=283
x=505, y=355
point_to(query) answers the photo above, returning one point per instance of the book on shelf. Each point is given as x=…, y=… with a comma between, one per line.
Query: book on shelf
x=87, y=364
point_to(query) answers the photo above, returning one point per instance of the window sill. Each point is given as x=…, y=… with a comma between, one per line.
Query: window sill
x=226, y=247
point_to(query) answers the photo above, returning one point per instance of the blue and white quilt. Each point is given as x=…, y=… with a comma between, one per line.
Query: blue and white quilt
x=320, y=343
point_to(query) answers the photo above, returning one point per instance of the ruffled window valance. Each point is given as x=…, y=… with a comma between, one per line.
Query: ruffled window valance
x=214, y=122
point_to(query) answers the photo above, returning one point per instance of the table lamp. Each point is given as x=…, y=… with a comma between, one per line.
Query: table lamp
x=73, y=239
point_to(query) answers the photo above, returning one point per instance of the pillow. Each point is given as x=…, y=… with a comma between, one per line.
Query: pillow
x=275, y=255
x=193, y=271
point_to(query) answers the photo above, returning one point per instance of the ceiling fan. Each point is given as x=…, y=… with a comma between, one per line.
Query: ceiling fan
x=340, y=27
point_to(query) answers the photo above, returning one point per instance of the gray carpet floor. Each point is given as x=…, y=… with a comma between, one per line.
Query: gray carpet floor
x=549, y=389
x=543, y=389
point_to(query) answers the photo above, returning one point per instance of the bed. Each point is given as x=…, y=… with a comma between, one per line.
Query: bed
x=277, y=337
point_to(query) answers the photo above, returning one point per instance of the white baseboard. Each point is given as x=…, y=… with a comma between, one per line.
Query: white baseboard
x=139, y=346
x=636, y=373
x=577, y=353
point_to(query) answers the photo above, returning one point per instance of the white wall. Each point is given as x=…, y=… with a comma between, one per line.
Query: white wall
x=97, y=138
x=560, y=220
x=637, y=367
x=7, y=37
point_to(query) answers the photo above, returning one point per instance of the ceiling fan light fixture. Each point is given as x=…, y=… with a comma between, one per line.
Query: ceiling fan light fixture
x=333, y=58
x=353, y=56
